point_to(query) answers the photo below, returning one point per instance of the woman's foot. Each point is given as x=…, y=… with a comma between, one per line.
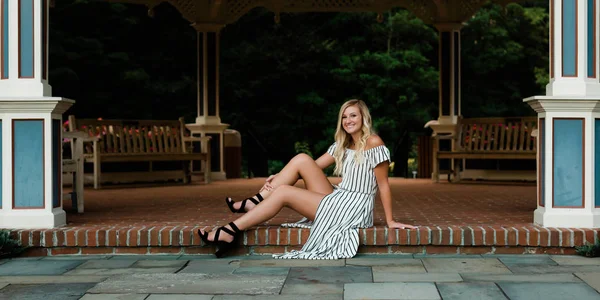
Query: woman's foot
x=224, y=242
x=245, y=205
x=224, y=236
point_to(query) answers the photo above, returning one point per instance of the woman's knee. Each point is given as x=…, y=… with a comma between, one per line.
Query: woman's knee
x=280, y=192
x=301, y=158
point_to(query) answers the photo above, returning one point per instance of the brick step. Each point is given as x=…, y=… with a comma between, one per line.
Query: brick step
x=274, y=239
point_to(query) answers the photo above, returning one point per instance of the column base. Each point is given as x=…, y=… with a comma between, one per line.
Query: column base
x=566, y=218
x=32, y=219
x=218, y=176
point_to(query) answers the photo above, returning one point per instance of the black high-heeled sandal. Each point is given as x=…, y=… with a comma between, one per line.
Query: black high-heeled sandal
x=222, y=246
x=242, y=210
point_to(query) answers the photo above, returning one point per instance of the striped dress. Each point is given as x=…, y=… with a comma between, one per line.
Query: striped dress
x=334, y=232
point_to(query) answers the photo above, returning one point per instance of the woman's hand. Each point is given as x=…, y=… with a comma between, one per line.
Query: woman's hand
x=394, y=224
x=271, y=178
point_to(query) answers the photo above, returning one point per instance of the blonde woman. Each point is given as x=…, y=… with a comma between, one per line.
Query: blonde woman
x=337, y=213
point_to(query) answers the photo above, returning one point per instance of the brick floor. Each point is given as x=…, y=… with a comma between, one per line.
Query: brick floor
x=454, y=218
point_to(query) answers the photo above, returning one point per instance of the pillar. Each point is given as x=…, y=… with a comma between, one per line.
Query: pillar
x=446, y=126
x=568, y=191
x=208, y=120
x=30, y=120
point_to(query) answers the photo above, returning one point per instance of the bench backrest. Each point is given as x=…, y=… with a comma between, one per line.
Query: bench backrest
x=498, y=134
x=133, y=136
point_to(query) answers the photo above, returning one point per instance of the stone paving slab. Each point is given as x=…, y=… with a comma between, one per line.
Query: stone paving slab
x=592, y=279
x=383, y=262
x=382, y=271
x=151, y=257
x=262, y=271
x=107, y=264
x=77, y=257
x=313, y=289
x=470, y=291
x=147, y=263
x=568, y=260
x=549, y=291
x=543, y=269
x=190, y=284
x=179, y=297
x=303, y=275
x=212, y=266
x=521, y=277
x=278, y=297
x=293, y=263
x=110, y=272
x=527, y=260
x=51, y=279
x=114, y=297
x=417, y=277
x=71, y=291
x=37, y=267
x=400, y=291
x=465, y=265
x=461, y=256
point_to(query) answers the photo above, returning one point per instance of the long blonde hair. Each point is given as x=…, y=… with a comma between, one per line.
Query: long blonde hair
x=343, y=139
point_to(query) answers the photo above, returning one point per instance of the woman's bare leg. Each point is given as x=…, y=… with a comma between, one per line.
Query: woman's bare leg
x=303, y=201
x=301, y=166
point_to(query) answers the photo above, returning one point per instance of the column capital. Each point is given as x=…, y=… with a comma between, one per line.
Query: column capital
x=208, y=27
x=448, y=26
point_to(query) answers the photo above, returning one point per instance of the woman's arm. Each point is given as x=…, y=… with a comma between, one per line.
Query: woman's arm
x=381, y=174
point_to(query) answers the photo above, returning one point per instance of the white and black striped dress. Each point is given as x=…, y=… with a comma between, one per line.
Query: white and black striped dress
x=334, y=232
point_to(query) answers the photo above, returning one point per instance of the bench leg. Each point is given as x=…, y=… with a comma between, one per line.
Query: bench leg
x=78, y=186
x=435, y=176
x=186, y=171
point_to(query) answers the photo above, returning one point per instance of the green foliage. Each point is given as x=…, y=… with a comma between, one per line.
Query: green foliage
x=589, y=250
x=283, y=83
x=303, y=147
x=275, y=166
x=8, y=246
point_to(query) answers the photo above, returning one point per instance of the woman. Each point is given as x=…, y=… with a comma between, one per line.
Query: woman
x=336, y=212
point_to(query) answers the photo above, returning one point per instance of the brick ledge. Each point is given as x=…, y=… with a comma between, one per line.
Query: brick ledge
x=185, y=236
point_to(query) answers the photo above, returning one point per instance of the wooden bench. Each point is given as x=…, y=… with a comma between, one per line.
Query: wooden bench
x=489, y=138
x=140, y=141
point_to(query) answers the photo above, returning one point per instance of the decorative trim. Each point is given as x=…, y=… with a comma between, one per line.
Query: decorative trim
x=596, y=162
x=43, y=164
x=592, y=55
x=551, y=39
x=45, y=34
x=4, y=59
x=582, y=161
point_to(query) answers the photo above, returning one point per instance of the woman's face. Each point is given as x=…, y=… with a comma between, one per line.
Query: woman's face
x=352, y=119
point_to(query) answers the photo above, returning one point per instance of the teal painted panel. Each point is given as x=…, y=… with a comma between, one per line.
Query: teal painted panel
x=1, y=164
x=569, y=29
x=28, y=163
x=568, y=162
x=590, y=40
x=56, y=163
x=542, y=183
x=597, y=164
x=4, y=49
x=26, y=36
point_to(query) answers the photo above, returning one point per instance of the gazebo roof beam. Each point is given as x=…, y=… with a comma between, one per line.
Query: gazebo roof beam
x=211, y=13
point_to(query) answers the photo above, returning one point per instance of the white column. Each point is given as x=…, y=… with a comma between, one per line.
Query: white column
x=30, y=120
x=449, y=66
x=208, y=120
x=24, y=62
x=569, y=119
